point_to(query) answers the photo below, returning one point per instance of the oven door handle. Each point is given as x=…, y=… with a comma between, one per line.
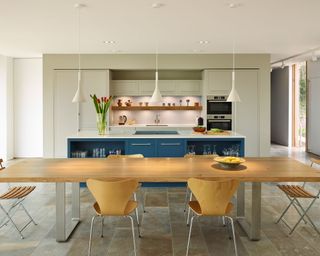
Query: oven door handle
x=219, y=121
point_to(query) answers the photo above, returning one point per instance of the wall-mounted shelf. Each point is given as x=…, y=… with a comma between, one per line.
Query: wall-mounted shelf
x=157, y=108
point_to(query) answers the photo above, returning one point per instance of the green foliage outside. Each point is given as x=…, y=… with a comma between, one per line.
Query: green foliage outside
x=302, y=100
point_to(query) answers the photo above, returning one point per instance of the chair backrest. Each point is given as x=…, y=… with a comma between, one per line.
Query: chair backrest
x=125, y=156
x=314, y=161
x=1, y=167
x=213, y=196
x=112, y=196
x=200, y=156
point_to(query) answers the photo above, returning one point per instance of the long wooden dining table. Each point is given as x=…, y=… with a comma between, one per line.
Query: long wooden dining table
x=62, y=171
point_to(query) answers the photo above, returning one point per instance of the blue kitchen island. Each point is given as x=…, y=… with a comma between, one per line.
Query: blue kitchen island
x=155, y=145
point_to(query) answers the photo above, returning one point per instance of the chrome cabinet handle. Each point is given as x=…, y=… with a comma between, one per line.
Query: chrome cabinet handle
x=170, y=144
x=140, y=144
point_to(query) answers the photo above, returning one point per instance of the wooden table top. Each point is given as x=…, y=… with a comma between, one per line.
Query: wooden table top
x=156, y=170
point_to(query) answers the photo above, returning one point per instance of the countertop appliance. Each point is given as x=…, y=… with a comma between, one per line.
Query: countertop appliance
x=219, y=112
x=200, y=121
x=223, y=122
x=218, y=105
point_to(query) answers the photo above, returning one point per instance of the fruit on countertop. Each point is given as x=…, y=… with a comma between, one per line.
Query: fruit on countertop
x=229, y=160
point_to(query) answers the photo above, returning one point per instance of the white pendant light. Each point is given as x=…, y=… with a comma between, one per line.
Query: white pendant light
x=233, y=96
x=79, y=96
x=156, y=96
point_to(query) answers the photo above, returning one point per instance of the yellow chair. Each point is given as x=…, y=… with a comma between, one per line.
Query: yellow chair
x=295, y=192
x=113, y=199
x=213, y=199
x=188, y=196
x=16, y=195
x=134, y=194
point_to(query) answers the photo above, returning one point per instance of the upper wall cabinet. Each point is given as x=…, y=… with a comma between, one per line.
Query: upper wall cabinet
x=125, y=88
x=146, y=87
x=218, y=81
x=189, y=87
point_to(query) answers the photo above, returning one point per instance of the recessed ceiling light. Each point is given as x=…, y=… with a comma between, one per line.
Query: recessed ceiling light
x=234, y=5
x=157, y=5
x=204, y=42
x=109, y=42
x=78, y=5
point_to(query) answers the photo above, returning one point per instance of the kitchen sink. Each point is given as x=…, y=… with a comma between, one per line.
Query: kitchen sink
x=155, y=132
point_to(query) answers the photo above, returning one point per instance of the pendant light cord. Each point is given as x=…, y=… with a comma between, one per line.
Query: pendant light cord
x=233, y=66
x=79, y=58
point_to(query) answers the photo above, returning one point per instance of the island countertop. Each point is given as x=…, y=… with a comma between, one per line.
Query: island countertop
x=180, y=135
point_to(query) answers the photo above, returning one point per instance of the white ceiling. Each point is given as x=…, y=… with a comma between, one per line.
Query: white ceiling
x=282, y=28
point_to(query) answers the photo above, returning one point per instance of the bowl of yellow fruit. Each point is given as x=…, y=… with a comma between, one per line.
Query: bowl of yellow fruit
x=229, y=162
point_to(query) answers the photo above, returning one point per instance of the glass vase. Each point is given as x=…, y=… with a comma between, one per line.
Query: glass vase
x=101, y=123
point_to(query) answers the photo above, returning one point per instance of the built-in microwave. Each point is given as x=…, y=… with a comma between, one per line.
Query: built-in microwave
x=223, y=122
x=218, y=105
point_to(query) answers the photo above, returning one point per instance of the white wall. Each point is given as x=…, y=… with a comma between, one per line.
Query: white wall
x=313, y=120
x=28, y=105
x=6, y=108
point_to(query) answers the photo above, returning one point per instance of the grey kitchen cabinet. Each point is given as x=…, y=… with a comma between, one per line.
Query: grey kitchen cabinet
x=125, y=88
x=218, y=82
x=146, y=87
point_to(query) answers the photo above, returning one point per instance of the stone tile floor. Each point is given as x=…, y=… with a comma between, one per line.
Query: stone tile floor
x=163, y=227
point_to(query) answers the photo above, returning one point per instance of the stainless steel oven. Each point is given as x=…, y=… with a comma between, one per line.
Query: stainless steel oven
x=223, y=122
x=218, y=105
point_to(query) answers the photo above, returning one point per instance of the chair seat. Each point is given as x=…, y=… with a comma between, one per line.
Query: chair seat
x=195, y=206
x=295, y=191
x=131, y=206
x=17, y=192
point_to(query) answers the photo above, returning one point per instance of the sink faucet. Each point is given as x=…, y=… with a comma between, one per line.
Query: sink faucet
x=157, y=120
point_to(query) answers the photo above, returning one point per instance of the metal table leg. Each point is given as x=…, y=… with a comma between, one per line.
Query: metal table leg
x=253, y=229
x=62, y=234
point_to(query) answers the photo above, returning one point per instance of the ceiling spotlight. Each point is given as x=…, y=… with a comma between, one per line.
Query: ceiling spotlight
x=314, y=57
x=282, y=65
x=234, y=5
x=109, y=42
x=157, y=5
x=204, y=42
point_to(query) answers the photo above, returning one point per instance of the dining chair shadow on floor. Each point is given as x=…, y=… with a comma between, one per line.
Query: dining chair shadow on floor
x=15, y=195
x=113, y=199
x=188, y=196
x=135, y=193
x=295, y=192
x=213, y=199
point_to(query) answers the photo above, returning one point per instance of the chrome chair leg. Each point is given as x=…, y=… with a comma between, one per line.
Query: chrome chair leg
x=229, y=229
x=102, y=224
x=138, y=225
x=90, y=237
x=25, y=210
x=189, y=209
x=133, y=236
x=307, y=216
x=136, y=210
x=189, y=236
x=223, y=221
x=186, y=199
x=302, y=216
x=233, y=235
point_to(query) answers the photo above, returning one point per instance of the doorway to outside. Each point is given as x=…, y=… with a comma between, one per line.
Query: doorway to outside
x=299, y=105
